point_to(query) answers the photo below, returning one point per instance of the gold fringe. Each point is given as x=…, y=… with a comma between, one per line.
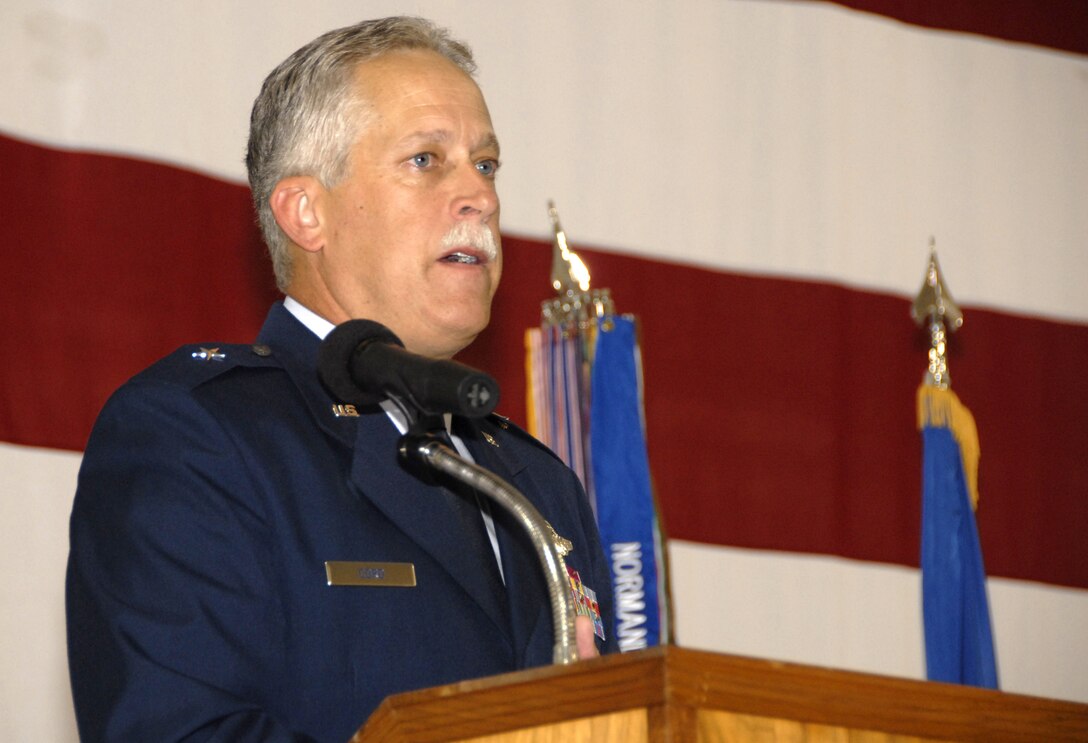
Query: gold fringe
x=943, y=409
x=530, y=396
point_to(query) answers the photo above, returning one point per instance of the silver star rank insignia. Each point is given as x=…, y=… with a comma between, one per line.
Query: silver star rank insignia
x=209, y=354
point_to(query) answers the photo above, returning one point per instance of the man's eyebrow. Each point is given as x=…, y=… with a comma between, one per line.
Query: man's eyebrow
x=489, y=142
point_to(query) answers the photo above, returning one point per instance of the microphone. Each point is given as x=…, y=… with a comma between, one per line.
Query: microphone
x=362, y=362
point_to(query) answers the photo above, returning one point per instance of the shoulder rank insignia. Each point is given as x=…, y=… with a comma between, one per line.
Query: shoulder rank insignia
x=209, y=354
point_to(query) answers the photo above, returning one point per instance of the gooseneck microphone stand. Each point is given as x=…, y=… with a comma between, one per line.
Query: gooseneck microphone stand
x=429, y=450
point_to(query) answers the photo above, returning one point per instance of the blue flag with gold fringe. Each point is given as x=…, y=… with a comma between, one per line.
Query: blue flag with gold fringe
x=955, y=610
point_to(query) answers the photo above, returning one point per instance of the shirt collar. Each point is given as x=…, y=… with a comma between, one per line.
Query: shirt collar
x=321, y=328
x=315, y=322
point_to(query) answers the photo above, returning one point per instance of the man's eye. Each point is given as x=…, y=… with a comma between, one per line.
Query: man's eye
x=423, y=160
x=488, y=167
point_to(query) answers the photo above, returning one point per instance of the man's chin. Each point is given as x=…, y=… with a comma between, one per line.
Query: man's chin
x=444, y=340
x=457, y=344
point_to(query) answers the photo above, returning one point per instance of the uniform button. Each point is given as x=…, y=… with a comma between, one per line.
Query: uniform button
x=262, y=350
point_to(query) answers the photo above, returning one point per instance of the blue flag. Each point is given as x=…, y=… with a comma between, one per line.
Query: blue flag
x=955, y=610
x=621, y=482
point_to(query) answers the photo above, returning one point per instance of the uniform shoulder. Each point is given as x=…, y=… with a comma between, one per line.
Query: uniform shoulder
x=511, y=429
x=195, y=364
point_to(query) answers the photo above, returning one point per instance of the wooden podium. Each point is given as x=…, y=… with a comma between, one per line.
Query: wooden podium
x=685, y=696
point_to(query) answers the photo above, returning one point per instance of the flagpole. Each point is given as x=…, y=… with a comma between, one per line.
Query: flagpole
x=603, y=436
x=959, y=644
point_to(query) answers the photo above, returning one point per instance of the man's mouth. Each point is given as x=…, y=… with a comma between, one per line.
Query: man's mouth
x=469, y=244
x=459, y=257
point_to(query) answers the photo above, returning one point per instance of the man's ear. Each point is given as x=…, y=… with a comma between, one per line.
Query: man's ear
x=294, y=204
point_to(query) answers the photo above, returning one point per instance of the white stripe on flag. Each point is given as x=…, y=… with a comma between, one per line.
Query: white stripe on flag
x=864, y=616
x=696, y=153
x=37, y=486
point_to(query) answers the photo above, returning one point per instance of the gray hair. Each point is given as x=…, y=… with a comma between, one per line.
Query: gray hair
x=307, y=115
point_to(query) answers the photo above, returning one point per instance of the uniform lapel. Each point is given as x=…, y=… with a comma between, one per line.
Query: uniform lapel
x=377, y=474
x=295, y=347
x=526, y=590
x=419, y=510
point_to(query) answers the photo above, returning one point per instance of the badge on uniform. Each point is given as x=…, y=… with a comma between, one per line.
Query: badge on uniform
x=585, y=601
x=393, y=574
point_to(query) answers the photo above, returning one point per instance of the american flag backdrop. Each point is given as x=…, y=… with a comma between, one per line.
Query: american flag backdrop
x=757, y=180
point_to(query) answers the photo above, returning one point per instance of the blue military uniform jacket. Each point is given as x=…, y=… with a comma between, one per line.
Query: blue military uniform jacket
x=213, y=490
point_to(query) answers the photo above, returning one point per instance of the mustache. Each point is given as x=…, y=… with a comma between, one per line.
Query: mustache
x=473, y=235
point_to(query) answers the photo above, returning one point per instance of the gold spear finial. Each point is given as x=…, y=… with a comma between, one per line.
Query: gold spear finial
x=934, y=304
x=569, y=274
x=575, y=304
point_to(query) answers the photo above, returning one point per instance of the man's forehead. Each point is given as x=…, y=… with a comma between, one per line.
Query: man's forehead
x=389, y=69
x=486, y=141
x=417, y=89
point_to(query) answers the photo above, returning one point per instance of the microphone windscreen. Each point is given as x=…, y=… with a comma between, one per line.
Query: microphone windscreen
x=334, y=359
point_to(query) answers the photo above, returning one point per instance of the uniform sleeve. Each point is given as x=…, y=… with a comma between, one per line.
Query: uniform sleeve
x=174, y=631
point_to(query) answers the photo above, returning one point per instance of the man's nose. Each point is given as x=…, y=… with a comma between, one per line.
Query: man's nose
x=474, y=196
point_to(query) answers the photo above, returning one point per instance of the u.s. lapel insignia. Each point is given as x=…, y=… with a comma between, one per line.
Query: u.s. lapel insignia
x=341, y=410
x=209, y=354
x=585, y=601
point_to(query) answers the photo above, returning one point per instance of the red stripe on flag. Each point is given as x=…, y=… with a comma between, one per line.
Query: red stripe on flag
x=780, y=413
x=112, y=263
x=1059, y=24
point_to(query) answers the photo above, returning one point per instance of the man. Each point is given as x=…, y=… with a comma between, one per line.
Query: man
x=219, y=484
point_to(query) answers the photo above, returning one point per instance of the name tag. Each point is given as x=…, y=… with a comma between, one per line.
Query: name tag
x=393, y=574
